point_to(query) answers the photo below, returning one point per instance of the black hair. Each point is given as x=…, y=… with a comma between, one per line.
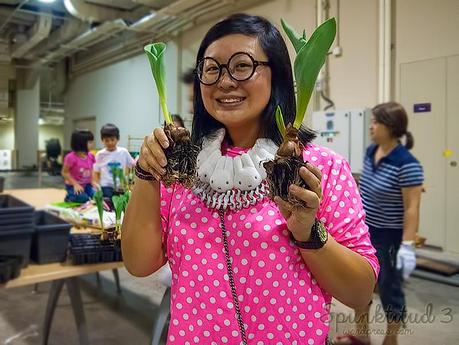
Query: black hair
x=88, y=133
x=79, y=141
x=188, y=77
x=178, y=118
x=394, y=117
x=109, y=130
x=282, y=88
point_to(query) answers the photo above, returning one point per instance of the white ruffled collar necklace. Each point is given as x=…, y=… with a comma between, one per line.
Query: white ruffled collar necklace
x=232, y=182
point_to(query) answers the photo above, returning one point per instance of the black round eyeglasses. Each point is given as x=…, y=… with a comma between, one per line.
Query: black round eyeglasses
x=240, y=66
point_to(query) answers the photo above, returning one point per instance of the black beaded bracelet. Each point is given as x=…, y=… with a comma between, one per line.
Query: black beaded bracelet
x=143, y=174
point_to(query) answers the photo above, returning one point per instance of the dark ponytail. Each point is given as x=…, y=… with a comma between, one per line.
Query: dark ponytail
x=409, y=140
x=394, y=117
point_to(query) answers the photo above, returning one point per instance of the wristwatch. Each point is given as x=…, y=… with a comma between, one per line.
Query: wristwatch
x=317, y=239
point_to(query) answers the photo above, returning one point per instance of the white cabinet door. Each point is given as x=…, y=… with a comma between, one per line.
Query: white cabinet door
x=425, y=82
x=452, y=154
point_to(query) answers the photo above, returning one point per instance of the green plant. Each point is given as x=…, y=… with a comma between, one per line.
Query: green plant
x=118, y=176
x=155, y=54
x=120, y=203
x=311, y=55
x=99, y=199
x=182, y=153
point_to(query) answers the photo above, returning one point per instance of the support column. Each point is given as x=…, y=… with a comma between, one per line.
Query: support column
x=26, y=124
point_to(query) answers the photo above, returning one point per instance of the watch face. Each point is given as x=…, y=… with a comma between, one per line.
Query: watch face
x=322, y=232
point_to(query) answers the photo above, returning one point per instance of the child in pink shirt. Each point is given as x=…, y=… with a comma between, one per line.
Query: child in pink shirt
x=77, y=169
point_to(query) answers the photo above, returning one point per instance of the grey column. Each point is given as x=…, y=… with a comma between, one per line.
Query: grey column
x=26, y=124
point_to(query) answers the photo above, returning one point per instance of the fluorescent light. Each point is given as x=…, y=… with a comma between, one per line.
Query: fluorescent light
x=47, y=1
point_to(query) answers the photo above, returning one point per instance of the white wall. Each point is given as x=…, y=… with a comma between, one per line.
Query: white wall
x=425, y=30
x=124, y=94
x=46, y=132
x=6, y=136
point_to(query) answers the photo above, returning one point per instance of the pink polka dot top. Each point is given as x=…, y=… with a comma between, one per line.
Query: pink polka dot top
x=279, y=299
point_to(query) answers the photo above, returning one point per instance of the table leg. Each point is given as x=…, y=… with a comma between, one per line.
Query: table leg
x=161, y=317
x=77, y=306
x=117, y=280
x=54, y=293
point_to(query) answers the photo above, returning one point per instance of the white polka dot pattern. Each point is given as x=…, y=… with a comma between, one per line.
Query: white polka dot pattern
x=280, y=301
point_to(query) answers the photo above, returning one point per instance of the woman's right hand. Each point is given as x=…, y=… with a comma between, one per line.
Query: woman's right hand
x=152, y=157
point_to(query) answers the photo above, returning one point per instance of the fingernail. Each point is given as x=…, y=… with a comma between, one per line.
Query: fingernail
x=163, y=162
x=165, y=144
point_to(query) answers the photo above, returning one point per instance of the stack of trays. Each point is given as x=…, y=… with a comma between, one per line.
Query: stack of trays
x=10, y=267
x=89, y=249
x=16, y=227
x=50, y=239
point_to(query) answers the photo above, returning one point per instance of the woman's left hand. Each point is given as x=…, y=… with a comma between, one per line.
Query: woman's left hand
x=300, y=219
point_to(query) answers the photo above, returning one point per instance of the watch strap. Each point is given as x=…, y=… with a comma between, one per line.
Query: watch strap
x=315, y=241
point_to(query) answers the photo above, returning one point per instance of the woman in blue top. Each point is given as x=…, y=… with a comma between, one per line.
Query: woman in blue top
x=391, y=186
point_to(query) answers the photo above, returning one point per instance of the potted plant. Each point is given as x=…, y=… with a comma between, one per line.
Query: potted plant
x=311, y=55
x=119, y=180
x=181, y=153
x=120, y=203
x=107, y=234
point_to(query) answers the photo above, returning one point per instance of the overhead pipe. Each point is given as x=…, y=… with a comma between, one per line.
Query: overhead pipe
x=387, y=50
x=95, y=13
x=12, y=14
x=38, y=33
x=68, y=31
x=160, y=23
x=321, y=87
x=17, y=16
x=385, y=67
x=167, y=21
x=171, y=11
x=88, y=38
x=154, y=4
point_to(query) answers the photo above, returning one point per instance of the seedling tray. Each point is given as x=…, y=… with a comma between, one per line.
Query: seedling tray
x=89, y=249
x=10, y=267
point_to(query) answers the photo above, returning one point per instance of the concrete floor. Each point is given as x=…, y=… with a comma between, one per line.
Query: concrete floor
x=111, y=318
x=127, y=318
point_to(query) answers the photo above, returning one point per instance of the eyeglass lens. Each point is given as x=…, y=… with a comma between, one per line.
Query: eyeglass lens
x=240, y=66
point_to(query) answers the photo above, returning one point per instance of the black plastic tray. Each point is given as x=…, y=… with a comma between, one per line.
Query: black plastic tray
x=50, y=239
x=17, y=242
x=9, y=206
x=10, y=267
x=15, y=227
x=89, y=249
x=16, y=219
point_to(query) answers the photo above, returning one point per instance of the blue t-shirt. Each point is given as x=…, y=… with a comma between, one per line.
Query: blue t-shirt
x=381, y=185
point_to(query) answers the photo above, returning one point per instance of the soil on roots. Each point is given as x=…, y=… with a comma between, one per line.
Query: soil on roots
x=181, y=157
x=284, y=170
